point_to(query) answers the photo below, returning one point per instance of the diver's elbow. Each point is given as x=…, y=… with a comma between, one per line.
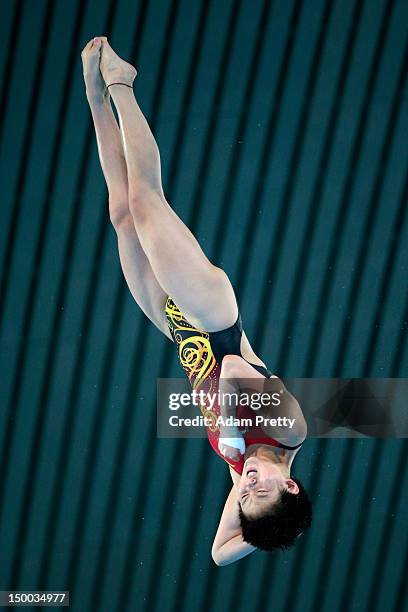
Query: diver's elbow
x=217, y=557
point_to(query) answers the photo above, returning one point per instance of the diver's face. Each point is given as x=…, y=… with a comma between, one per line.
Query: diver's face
x=261, y=485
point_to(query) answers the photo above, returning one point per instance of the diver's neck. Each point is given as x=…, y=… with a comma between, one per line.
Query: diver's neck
x=281, y=457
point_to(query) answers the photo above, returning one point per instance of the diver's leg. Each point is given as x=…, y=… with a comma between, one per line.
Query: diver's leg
x=202, y=291
x=136, y=268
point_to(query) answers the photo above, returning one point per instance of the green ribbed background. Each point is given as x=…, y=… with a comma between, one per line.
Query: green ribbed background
x=283, y=129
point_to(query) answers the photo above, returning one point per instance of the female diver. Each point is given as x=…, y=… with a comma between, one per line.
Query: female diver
x=194, y=305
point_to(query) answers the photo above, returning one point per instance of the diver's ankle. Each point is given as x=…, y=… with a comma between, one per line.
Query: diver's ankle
x=97, y=99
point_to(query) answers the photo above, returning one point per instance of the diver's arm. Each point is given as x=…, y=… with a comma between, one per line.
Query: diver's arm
x=228, y=544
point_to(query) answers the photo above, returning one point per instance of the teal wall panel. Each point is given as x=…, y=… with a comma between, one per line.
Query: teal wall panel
x=282, y=128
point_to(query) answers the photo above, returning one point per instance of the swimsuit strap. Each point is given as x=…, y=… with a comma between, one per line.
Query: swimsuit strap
x=290, y=447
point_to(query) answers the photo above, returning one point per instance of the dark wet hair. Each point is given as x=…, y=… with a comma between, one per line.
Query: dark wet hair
x=279, y=526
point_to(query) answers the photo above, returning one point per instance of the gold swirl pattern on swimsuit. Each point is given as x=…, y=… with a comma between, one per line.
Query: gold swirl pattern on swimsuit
x=172, y=311
x=196, y=357
x=210, y=414
x=194, y=348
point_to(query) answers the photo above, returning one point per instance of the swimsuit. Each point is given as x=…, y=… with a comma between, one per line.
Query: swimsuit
x=200, y=354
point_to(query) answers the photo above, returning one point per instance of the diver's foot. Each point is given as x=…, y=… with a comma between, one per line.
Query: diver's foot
x=114, y=69
x=96, y=89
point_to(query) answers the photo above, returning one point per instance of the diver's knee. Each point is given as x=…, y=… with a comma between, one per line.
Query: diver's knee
x=142, y=201
x=119, y=213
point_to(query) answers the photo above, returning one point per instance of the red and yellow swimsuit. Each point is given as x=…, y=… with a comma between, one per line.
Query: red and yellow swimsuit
x=200, y=354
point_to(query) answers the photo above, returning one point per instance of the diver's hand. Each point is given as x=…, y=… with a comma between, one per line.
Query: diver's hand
x=231, y=443
x=229, y=452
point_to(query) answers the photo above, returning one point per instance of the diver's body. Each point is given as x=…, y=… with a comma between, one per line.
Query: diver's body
x=147, y=230
x=210, y=358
